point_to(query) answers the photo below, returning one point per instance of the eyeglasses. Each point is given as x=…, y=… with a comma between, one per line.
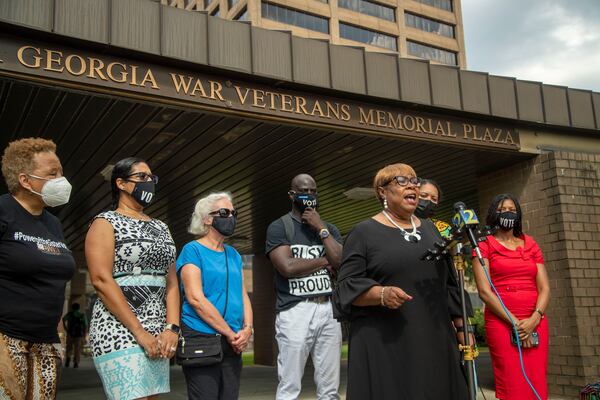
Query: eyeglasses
x=306, y=191
x=144, y=177
x=405, y=180
x=224, y=213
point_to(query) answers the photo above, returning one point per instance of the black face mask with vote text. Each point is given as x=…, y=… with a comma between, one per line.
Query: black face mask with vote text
x=305, y=200
x=143, y=193
x=507, y=220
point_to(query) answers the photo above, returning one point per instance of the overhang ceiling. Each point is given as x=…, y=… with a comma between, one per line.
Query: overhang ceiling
x=195, y=153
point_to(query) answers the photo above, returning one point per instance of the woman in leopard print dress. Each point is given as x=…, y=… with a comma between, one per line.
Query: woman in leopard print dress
x=133, y=330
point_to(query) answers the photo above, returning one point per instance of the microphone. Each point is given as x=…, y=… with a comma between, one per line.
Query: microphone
x=465, y=221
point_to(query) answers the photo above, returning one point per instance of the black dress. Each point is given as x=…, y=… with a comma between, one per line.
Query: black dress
x=410, y=353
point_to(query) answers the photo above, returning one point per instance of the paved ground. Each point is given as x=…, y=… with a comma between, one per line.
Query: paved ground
x=258, y=382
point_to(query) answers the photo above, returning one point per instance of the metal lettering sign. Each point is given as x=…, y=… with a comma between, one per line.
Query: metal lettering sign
x=104, y=73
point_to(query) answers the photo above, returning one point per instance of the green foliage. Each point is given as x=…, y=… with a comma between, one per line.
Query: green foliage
x=478, y=322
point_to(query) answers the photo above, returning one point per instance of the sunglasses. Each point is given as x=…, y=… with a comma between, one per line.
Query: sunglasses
x=144, y=177
x=405, y=180
x=224, y=213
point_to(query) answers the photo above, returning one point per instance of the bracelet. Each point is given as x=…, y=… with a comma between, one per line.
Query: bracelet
x=249, y=326
x=381, y=296
x=537, y=310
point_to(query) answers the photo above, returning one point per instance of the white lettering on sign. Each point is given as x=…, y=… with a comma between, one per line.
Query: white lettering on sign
x=308, y=252
x=316, y=284
x=147, y=196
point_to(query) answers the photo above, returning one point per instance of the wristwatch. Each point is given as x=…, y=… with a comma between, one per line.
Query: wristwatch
x=324, y=233
x=173, y=328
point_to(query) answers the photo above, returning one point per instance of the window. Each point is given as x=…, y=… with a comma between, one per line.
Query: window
x=429, y=25
x=231, y=4
x=369, y=37
x=369, y=8
x=242, y=15
x=443, y=4
x=294, y=17
x=431, y=53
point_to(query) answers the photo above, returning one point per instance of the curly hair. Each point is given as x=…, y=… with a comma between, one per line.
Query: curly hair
x=18, y=158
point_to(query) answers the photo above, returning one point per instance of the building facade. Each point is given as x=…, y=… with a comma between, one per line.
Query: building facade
x=428, y=29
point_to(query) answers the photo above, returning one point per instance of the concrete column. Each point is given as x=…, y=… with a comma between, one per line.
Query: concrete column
x=560, y=196
x=263, y=296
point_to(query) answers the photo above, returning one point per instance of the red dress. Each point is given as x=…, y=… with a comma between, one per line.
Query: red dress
x=513, y=273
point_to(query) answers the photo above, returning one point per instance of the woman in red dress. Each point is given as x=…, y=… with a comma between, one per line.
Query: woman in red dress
x=516, y=267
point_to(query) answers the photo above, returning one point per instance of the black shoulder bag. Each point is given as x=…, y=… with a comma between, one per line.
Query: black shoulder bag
x=200, y=349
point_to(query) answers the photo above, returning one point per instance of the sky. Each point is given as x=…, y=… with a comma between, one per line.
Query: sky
x=552, y=41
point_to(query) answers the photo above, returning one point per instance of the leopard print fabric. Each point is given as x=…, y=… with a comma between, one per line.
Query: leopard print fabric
x=139, y=245
x=28, y=371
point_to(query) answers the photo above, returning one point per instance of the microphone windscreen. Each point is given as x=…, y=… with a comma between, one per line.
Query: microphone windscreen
x=459, y=205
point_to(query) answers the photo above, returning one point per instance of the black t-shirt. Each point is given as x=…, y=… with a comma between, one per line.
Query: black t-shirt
x=35, y=265
x=307, y=244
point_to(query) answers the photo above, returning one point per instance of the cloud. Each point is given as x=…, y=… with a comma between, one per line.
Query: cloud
x=553, y=41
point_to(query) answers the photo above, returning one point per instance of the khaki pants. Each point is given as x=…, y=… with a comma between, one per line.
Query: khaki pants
x=28, y=371
x=74, y=346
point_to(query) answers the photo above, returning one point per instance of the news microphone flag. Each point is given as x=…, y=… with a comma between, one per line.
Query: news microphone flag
x=464, y=217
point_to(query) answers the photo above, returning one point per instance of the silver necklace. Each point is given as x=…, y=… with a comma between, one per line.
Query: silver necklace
x=413, y=236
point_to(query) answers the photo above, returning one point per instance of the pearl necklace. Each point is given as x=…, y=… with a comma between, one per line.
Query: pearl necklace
x=413, y=236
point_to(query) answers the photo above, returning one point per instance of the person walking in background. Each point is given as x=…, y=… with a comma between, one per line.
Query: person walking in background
x=516, y=267
x=35, y=266
x=76, y=325
x=216, y=307
x=131, y=259
x=306, y=253
x=404, y=312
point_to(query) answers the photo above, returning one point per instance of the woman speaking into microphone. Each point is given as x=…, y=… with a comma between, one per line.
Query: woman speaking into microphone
x=404, y=321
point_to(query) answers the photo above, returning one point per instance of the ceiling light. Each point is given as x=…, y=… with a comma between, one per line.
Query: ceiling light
x=107, y=172
x=360, y=193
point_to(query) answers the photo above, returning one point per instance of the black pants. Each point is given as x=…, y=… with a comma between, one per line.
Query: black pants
x=218, y=381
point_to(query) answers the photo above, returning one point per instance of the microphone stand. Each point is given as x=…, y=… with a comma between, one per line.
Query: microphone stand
x=469, y=350
x=452, y=247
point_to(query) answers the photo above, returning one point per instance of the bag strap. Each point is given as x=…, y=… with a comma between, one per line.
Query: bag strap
x=288, y=225
x=227, y=284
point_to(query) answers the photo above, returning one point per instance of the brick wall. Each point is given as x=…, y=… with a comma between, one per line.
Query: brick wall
x=560, y=196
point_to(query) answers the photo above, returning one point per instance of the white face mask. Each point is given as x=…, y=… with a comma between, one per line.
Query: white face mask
x=55, y=192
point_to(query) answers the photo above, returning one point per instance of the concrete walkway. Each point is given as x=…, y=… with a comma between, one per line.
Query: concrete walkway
x=258, y=382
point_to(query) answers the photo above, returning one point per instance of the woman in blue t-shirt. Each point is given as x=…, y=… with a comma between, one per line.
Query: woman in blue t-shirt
x=215, y=300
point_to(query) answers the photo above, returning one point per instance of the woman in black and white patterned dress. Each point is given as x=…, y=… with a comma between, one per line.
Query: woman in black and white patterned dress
x=133, y=331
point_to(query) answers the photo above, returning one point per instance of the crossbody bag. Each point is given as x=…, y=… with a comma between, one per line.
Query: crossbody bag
x=197, y=349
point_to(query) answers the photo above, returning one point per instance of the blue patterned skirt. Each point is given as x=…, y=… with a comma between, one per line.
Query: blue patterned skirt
x=129, y=374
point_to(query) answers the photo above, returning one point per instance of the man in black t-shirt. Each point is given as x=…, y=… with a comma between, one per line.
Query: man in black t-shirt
x=306, y=253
